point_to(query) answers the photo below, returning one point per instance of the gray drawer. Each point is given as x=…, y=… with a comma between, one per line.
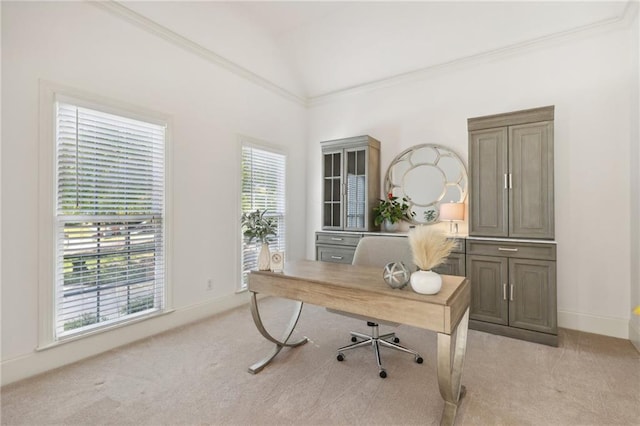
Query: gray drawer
x=335, y=254
x=459, y=247
x=512, y=249
x=336, y=239
x=455, y=264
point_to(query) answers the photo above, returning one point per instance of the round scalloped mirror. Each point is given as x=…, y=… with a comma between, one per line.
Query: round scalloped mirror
x=427, y=175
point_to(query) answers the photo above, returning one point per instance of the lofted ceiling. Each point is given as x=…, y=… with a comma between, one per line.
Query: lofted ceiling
x=311, y=49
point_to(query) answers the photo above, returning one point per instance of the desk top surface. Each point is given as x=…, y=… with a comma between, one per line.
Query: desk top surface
x=366, y=278
x=362, y=290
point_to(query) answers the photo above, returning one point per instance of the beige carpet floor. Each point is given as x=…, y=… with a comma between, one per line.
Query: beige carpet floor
x=197, y=375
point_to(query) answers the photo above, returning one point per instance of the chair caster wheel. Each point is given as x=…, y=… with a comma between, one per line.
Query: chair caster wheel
x=340, y=357
x=396, y=340
x=354, y=339
x=383, y=374
x=419, y=360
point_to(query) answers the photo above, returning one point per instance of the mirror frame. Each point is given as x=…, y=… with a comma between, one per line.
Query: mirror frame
x=462, y=182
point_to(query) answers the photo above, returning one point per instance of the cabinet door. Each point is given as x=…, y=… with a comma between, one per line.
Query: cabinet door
x=488, y=169
x=356, y=197
x=453, y=265
x=488, y=275
x=332, y=190
x=531, y=180
x=532, y=295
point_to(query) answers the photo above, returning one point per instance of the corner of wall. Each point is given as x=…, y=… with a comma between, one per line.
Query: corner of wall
x=634, y=322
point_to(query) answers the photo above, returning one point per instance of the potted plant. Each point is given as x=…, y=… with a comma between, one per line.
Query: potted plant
x=391, y=212
x=261, y=229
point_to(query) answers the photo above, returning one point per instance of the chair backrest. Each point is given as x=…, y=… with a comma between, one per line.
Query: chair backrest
x=380, y=250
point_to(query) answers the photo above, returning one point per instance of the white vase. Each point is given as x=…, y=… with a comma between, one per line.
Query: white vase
x=264, y=258
x=391, y=227
x=426, y=282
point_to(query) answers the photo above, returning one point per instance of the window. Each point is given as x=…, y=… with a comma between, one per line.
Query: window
x=263, y=188
x=109, y=261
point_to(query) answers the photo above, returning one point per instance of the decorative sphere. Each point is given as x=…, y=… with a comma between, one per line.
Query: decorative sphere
x=396, y=274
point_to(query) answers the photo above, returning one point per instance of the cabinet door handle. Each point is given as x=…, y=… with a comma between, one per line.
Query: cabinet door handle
x=336, y=257
x=510, y=181
x=511, y=293
x=504, y=291
x=507, y=249
x=505, y=182
x=336, y=239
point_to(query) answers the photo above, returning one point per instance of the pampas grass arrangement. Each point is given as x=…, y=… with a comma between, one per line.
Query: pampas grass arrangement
x=430, y=247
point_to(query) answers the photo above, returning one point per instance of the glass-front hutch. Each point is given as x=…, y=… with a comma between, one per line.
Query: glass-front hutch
x=351, y=183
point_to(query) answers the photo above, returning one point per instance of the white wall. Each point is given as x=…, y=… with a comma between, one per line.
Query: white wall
x=634, y=324
x=588, y=79
x=85, y=47
x=88, y=48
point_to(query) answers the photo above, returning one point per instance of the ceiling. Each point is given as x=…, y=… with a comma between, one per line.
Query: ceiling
x=312, y=49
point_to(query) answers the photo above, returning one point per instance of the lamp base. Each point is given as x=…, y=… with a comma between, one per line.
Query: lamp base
x=453, y=227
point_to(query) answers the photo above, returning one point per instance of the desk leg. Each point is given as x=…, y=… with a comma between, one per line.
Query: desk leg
x=258, y=366
x=450, y=363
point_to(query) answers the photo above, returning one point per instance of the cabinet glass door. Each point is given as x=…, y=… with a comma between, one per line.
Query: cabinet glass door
x=356, y=187
x=332, y=198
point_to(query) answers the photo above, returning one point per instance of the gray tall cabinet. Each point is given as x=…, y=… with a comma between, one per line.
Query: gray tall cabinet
x=511, y=258
x=350, y=183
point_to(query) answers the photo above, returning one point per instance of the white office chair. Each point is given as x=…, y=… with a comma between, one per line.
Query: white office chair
x=378, y=251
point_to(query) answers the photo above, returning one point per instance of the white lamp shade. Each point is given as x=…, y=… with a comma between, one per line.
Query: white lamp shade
x=452, y=211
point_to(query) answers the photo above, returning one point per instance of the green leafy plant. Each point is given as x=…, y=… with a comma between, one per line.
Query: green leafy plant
x=82, y=320
x=430, y=215
x=138, y=304
x=392, y=210
x=258, y=227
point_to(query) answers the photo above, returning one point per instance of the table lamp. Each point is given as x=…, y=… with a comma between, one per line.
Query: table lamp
x=453, y=212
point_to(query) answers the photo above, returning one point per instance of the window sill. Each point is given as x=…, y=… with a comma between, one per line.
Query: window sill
x=101, y=330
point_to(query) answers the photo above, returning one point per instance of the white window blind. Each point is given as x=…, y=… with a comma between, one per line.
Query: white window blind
x=263, y=188
x=110, y=201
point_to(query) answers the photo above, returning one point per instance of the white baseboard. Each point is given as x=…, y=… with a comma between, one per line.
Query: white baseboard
x=634, y=331
x=40, y=361
x=614, y=327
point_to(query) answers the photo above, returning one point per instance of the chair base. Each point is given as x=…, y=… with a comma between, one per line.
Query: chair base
x=375, y=340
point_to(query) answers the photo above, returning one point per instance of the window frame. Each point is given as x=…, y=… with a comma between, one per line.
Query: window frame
x=246, y=141
x=50, y=93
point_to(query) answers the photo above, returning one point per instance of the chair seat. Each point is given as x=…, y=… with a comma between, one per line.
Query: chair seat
x=378, y=251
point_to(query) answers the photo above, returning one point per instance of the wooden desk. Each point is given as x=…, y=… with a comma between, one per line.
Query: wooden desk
x=361, y=290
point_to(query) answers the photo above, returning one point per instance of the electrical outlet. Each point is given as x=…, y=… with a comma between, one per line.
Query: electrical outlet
x=209, y=284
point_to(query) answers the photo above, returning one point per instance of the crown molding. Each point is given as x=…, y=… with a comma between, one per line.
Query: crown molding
x=165, y=33
x=624, y=20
